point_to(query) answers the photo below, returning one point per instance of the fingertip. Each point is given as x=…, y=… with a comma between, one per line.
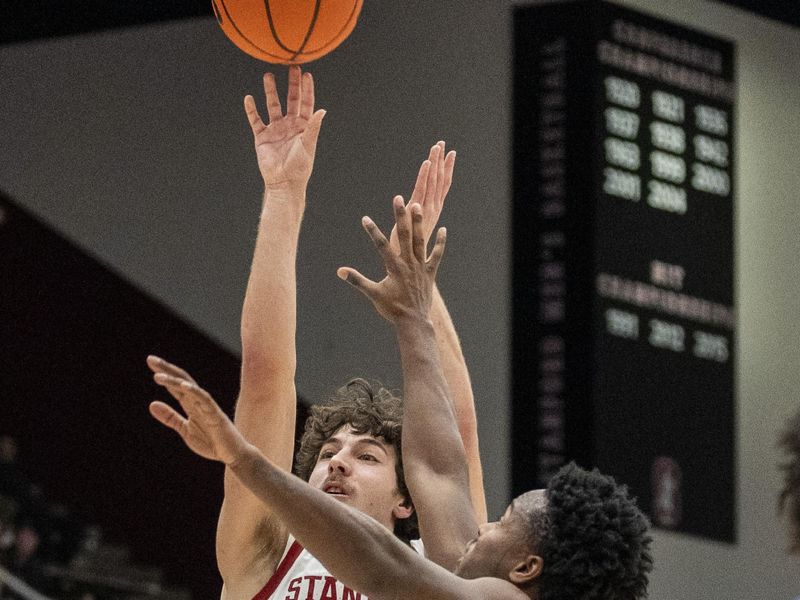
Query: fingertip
x=366, y=222
x=398, y=202
x=416, y=209
x=155, y=409
x=347, y=275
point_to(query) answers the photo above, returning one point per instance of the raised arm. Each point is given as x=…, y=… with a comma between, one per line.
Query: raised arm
x=357, y=550
x=434, y=457
x=430, y=192
x=250, y=538
x=457, y=376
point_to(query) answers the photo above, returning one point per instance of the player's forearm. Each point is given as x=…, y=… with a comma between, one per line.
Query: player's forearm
x=458, y=381
x=333, y=532
x=434, y=458
x=430, y=433
x=269, y=311
x=452, y=359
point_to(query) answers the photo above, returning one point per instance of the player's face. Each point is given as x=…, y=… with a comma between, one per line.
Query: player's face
x=359, y=469
x=500, y=544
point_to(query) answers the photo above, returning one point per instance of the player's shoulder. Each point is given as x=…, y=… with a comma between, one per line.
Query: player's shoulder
x=263, y=565
x=491, y=588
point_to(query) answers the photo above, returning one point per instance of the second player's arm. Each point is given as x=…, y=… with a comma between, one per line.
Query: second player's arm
x=458, y=381
x=434, y=456
x=430, y=191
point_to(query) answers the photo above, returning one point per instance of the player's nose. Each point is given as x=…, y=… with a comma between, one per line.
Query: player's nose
x=338, y=464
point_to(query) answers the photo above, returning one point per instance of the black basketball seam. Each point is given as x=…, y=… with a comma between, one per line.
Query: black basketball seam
x=246, y=39
x=301, y=49
x=335, y=40
x=274, y=31
x=310, y=28
x=277, y=38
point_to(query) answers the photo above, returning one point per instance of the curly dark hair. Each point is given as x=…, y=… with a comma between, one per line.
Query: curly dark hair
x=789, y=498
x=376, y=412
x=592, y=537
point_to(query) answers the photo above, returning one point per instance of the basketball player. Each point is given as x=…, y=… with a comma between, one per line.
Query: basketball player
x=252, y=538
x=582, y=537
x=789, y=499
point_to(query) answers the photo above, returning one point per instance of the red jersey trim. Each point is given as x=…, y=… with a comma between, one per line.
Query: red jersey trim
x=280, y=572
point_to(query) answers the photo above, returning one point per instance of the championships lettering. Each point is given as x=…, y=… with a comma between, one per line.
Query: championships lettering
x=667, y=46
x=646, y=295
x=665, y=71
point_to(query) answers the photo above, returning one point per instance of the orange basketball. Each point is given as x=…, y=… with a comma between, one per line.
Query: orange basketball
x=287, y=31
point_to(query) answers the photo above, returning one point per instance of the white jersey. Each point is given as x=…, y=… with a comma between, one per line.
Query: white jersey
x=300, y=576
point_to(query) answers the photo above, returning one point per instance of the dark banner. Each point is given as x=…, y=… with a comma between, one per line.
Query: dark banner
x=624, y=321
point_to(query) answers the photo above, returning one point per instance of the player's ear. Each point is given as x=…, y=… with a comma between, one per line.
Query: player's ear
x=526, y=570
x=403, y=509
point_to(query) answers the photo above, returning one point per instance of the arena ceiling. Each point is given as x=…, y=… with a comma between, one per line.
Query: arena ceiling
x=22, y=20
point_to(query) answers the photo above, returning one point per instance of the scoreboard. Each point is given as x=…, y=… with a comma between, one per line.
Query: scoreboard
x=623, y=310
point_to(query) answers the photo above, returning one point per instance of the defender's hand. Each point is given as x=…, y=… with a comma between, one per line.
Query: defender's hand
x=407, y=289
x=205, y=429
x=159, y=365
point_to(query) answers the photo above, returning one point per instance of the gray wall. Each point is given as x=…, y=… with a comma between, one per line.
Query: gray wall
x=134, y=144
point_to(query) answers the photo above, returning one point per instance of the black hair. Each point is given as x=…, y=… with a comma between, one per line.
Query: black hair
x=593, y=539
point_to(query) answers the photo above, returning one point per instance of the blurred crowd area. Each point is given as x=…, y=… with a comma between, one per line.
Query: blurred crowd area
x=46, y=551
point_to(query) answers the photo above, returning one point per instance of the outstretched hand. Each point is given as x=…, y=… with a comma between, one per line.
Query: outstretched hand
x=430, y=190
x=205, y=429
x=285, y=148
x=407, y=289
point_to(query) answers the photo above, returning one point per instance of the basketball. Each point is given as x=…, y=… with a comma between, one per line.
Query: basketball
x=287, y=32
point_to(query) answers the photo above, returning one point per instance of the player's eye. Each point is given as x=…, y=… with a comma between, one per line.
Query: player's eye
x=368, y=457
x=326, y=454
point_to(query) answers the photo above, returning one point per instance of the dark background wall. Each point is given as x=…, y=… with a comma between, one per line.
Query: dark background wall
x=75, y=389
